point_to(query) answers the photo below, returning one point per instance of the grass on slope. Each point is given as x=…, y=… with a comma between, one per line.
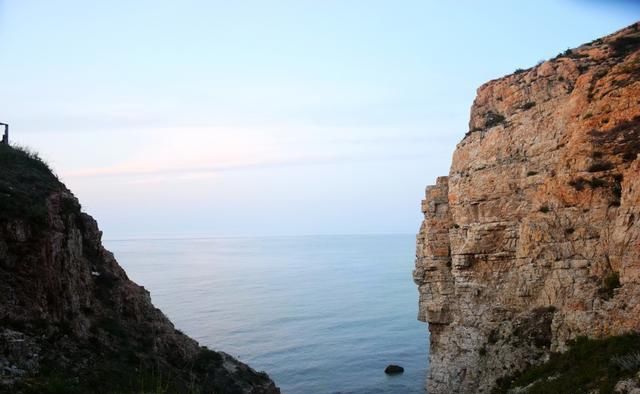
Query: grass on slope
x=589, y=365
x=25, y=183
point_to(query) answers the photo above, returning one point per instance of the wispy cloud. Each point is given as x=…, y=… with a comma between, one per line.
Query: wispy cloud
x=123, y=171
x=174, y=152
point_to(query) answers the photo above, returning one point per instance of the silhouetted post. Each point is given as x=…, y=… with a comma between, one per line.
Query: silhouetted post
x=5, y=136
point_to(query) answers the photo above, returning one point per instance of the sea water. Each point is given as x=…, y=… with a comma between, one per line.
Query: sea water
x=320, y=314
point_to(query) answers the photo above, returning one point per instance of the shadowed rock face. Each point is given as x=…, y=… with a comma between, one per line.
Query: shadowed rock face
x=71, y=320
x=534, y=237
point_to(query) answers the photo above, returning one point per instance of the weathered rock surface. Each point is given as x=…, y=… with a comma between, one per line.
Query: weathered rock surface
x=71, y=320
x=534, y=237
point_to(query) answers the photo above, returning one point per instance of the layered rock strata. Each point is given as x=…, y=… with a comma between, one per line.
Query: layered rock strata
x=534, y=237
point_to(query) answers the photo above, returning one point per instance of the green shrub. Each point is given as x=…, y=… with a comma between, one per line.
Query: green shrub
x=588, y=366
x=206, y=359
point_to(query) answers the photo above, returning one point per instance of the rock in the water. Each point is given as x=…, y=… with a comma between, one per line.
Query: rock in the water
x=393, y=369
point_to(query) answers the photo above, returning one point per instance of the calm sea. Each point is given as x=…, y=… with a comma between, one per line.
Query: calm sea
x=320, y=314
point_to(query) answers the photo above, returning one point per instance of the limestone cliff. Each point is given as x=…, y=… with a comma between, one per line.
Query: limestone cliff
x=70, y=319
x=534, y=237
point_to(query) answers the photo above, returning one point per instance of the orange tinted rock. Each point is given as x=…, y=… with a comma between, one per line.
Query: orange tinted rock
x=540, y=208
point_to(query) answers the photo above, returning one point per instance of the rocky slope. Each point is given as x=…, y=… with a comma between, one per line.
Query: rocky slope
x=70, y=319
x=534, y=238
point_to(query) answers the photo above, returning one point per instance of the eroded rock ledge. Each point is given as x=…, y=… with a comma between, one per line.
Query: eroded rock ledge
x=534, y=238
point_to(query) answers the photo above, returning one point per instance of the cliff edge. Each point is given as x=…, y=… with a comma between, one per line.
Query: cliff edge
x=70, y=319
x=534, y=238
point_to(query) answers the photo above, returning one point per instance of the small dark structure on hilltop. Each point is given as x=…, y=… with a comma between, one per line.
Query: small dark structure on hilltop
x=5, y=136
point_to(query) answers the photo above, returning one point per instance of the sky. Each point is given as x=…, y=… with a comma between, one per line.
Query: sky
x=257, y=118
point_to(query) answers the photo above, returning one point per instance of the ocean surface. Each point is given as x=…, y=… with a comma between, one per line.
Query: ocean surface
x=320, y=314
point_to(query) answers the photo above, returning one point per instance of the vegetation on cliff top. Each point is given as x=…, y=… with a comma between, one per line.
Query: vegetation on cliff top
x=25, y=183
x=590, y=365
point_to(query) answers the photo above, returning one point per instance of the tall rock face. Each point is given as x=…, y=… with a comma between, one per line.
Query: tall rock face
x=70, y=319
x=534, y=237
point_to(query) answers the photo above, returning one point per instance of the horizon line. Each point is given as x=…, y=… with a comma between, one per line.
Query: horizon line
x=184, y=238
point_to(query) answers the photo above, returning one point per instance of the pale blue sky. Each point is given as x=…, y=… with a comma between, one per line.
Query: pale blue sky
x=224, y=118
